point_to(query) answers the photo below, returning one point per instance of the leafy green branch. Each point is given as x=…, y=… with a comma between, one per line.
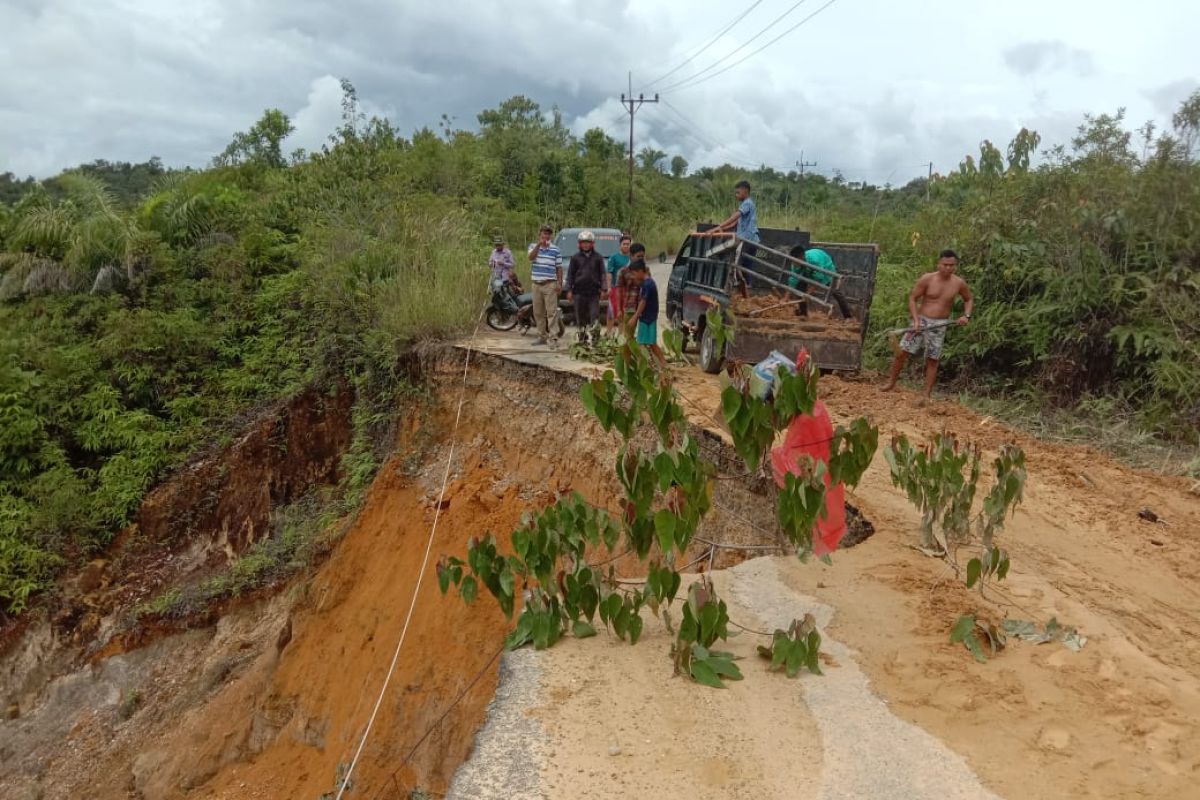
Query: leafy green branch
x=667, y=492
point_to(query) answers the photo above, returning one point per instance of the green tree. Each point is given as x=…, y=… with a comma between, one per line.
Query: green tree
x=651, y=158
x=261, y=145
x=679, y=166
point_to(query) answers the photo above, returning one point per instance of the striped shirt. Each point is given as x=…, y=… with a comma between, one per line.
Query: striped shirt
x=546, y=264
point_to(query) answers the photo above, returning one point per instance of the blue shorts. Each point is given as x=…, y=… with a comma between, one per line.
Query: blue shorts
x=647, y=332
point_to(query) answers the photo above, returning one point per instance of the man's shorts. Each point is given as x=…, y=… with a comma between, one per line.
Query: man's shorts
x=647, y=332
x=931, y=339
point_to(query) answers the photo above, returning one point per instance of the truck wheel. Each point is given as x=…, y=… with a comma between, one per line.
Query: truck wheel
x=677, y=324
x=711, y=356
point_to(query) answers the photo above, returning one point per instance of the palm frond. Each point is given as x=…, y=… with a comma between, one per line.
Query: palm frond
x=90, y=194
x=45, y=229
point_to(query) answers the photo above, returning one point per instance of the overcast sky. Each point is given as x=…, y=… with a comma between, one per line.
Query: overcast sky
x=873, y=88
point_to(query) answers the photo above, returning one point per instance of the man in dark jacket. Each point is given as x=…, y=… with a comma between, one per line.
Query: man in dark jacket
x=585, y=280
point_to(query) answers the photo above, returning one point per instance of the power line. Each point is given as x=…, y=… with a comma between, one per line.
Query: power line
x=706, y=140
x=707, y=45
x=736, y=50
x=685, y=84
x=615, y=121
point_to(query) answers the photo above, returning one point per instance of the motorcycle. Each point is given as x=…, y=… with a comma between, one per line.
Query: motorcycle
x=501, y=315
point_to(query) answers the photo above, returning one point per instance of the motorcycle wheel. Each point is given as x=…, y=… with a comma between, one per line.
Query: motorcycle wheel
x=500, y=320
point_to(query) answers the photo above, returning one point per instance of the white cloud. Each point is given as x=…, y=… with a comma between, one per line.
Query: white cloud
x=320, y=116
x=1029, y=58
x=868, y=86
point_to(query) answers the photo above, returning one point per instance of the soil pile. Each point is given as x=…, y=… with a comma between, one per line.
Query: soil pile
x=777, y=315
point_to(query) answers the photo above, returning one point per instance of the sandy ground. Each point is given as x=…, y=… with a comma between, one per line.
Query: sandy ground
x=1118, y=719
x=618, y=724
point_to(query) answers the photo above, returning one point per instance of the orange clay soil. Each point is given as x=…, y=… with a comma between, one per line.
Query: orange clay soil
x=344, y=637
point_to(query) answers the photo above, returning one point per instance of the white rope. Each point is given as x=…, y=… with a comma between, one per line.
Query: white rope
x=420, y=575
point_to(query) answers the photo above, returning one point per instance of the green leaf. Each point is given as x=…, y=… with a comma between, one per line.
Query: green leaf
x=1002, y=571
x=620, y=622
x=962, y=626
x=797, y=654
x=1073, y=641
x=635, y=627
x=709, y=615
x=582, y=630
x=702, y=672
x=688, y=630
x=664, y=526
x=780, y=649
x=521, y=634
x=976, y=647
x=974, y=568
x=723, y=665
x=588, y=395
x=813, y=661
x=731, y=402
x=469, y=588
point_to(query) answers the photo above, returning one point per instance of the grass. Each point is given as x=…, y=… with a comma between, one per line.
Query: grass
x=1098, y=422
x=302, y=533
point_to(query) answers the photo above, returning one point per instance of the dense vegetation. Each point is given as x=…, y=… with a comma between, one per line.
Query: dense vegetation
x=143, y=308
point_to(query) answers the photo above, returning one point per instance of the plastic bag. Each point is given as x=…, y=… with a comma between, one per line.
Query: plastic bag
x=812, y=435
x=762, y=376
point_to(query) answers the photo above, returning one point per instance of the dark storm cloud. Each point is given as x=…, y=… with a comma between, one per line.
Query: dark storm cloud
x=86, y=80
x=126, y=79
x=1029, y=58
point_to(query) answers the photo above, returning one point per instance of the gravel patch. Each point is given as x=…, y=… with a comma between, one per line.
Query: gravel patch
x=511, y=747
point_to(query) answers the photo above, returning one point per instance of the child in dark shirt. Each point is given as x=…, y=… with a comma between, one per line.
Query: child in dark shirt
x=647, y=308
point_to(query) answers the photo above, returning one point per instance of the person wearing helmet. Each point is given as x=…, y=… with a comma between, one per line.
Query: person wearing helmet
x=585, y=281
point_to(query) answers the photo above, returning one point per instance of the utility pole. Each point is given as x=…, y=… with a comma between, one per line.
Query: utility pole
x=802, y=164
x=929, y=179
x=632, y=104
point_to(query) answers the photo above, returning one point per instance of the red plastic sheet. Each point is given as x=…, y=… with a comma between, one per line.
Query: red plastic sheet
x=812, y=436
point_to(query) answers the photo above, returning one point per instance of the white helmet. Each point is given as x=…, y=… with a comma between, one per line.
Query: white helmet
x=587, y=236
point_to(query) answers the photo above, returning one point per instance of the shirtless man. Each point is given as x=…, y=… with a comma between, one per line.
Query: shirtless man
x=935, y=291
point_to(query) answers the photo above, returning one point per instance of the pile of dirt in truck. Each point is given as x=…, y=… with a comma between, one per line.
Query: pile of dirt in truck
x=769, y=313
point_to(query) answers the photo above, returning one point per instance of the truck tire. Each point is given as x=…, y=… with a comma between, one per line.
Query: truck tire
x=711, y=356
x=677, y=324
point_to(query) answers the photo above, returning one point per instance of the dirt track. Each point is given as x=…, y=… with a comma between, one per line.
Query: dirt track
x=1118, y=719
